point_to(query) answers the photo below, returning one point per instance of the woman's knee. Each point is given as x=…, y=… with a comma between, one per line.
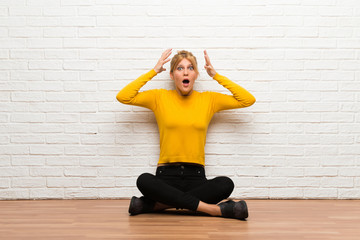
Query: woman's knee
x=144, y=180
x=227, y=185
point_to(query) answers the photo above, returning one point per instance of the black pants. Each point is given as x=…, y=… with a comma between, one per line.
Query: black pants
x=183, y=186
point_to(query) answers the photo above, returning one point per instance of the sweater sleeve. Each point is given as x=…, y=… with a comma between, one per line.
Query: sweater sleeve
x=130, y=93
x=240, y=96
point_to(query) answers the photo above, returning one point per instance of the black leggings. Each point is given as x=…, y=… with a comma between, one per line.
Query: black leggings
x=183, y=186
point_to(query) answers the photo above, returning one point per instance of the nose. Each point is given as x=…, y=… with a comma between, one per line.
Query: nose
x=185, y=72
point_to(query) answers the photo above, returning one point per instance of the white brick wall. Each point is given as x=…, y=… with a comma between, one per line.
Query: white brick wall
x=64, y=135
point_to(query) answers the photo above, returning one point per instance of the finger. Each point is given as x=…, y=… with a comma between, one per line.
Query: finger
x=167, y=50
x=207, y=59
x=167, y=60
x=168, y=53
x=165, y=54
x=165, y=57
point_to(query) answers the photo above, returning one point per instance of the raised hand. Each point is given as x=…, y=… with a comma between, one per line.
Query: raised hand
x=159, y=67
x=209, y=68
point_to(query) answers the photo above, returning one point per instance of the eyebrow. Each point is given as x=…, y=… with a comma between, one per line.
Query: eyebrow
x=180, y=65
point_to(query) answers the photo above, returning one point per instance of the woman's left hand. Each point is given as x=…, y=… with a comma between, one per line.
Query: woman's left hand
x=209, y=68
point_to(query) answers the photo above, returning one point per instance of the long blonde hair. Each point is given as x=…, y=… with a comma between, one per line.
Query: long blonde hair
x=180, y=56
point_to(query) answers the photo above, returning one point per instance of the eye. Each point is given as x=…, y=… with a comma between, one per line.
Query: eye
x=191, y=68
x=179, y=68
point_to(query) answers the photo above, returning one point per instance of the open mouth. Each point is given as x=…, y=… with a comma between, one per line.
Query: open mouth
x=186, y=81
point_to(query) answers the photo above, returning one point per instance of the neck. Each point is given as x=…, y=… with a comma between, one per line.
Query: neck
x=184, y=95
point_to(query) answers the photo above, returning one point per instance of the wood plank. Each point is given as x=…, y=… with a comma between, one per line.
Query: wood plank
x=108, y=219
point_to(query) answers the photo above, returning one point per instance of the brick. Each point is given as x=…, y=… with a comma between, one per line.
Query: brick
x=121, y=128
x=78, y=21
x=62, y=139
x=13, y=65
x=95, y=10
x=79, y=65
x=62, y=97
x=321, y=172
x=80, y=107
x=76, y=2
x=59, y=182
x=80, y=172
x=4, y=183
x=62, y=118
x=46, y=193
x=340, y=161
x=79, y=193
x=97, y=118
x=337, y=182
x=45, y=172
x=46, y=150
x=14, y=128
x=79, y=43
x=21, y=75
x=27, y=54
x=28, y=182
x=80, y=150
x=285, y=193
x=41, y=43
x=3, y=118
x=46, y=128
x=97, y=161
x=65, y=32
x=9, y=21
x=98, y=139
x=27, y=160
x=4, y=139
x=45, y=86
x=63, y=11
x=265, y=182
x=43, y=21
x=287, y=172
x=321, y=193
x=81, y=128
x=24, y=11
x=62, y=161
x=348, y=194
x=27, y=139
x=117, y=192
x=43, y=3
x=45, y=65
x=98, y=183
x=14, y=172
x=60, y=76
x=325, y=150
x=16, y=193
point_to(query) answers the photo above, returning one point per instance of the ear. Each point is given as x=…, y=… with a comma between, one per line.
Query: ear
x=171, y=76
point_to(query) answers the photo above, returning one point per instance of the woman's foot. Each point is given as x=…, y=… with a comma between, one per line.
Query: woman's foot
x=140, y=205
x=231, y=209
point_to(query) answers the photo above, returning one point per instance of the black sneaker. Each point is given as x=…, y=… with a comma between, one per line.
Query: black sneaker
x=140, y=205
x=231, y=209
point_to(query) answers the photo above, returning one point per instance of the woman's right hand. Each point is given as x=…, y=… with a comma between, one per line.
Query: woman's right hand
x=159, y=67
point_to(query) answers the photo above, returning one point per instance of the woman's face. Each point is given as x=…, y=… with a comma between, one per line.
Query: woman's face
x=184, y=77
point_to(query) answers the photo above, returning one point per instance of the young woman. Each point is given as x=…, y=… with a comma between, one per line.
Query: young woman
x=183, y=116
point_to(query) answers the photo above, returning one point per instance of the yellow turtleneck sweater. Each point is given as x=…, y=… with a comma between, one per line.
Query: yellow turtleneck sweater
x=183, y=120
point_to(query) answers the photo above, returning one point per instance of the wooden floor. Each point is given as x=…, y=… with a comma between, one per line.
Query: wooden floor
x=108, y=219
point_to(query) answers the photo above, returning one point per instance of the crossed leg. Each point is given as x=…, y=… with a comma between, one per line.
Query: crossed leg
x=202, y=198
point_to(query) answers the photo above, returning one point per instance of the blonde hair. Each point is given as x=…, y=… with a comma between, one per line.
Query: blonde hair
x=180, y=56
